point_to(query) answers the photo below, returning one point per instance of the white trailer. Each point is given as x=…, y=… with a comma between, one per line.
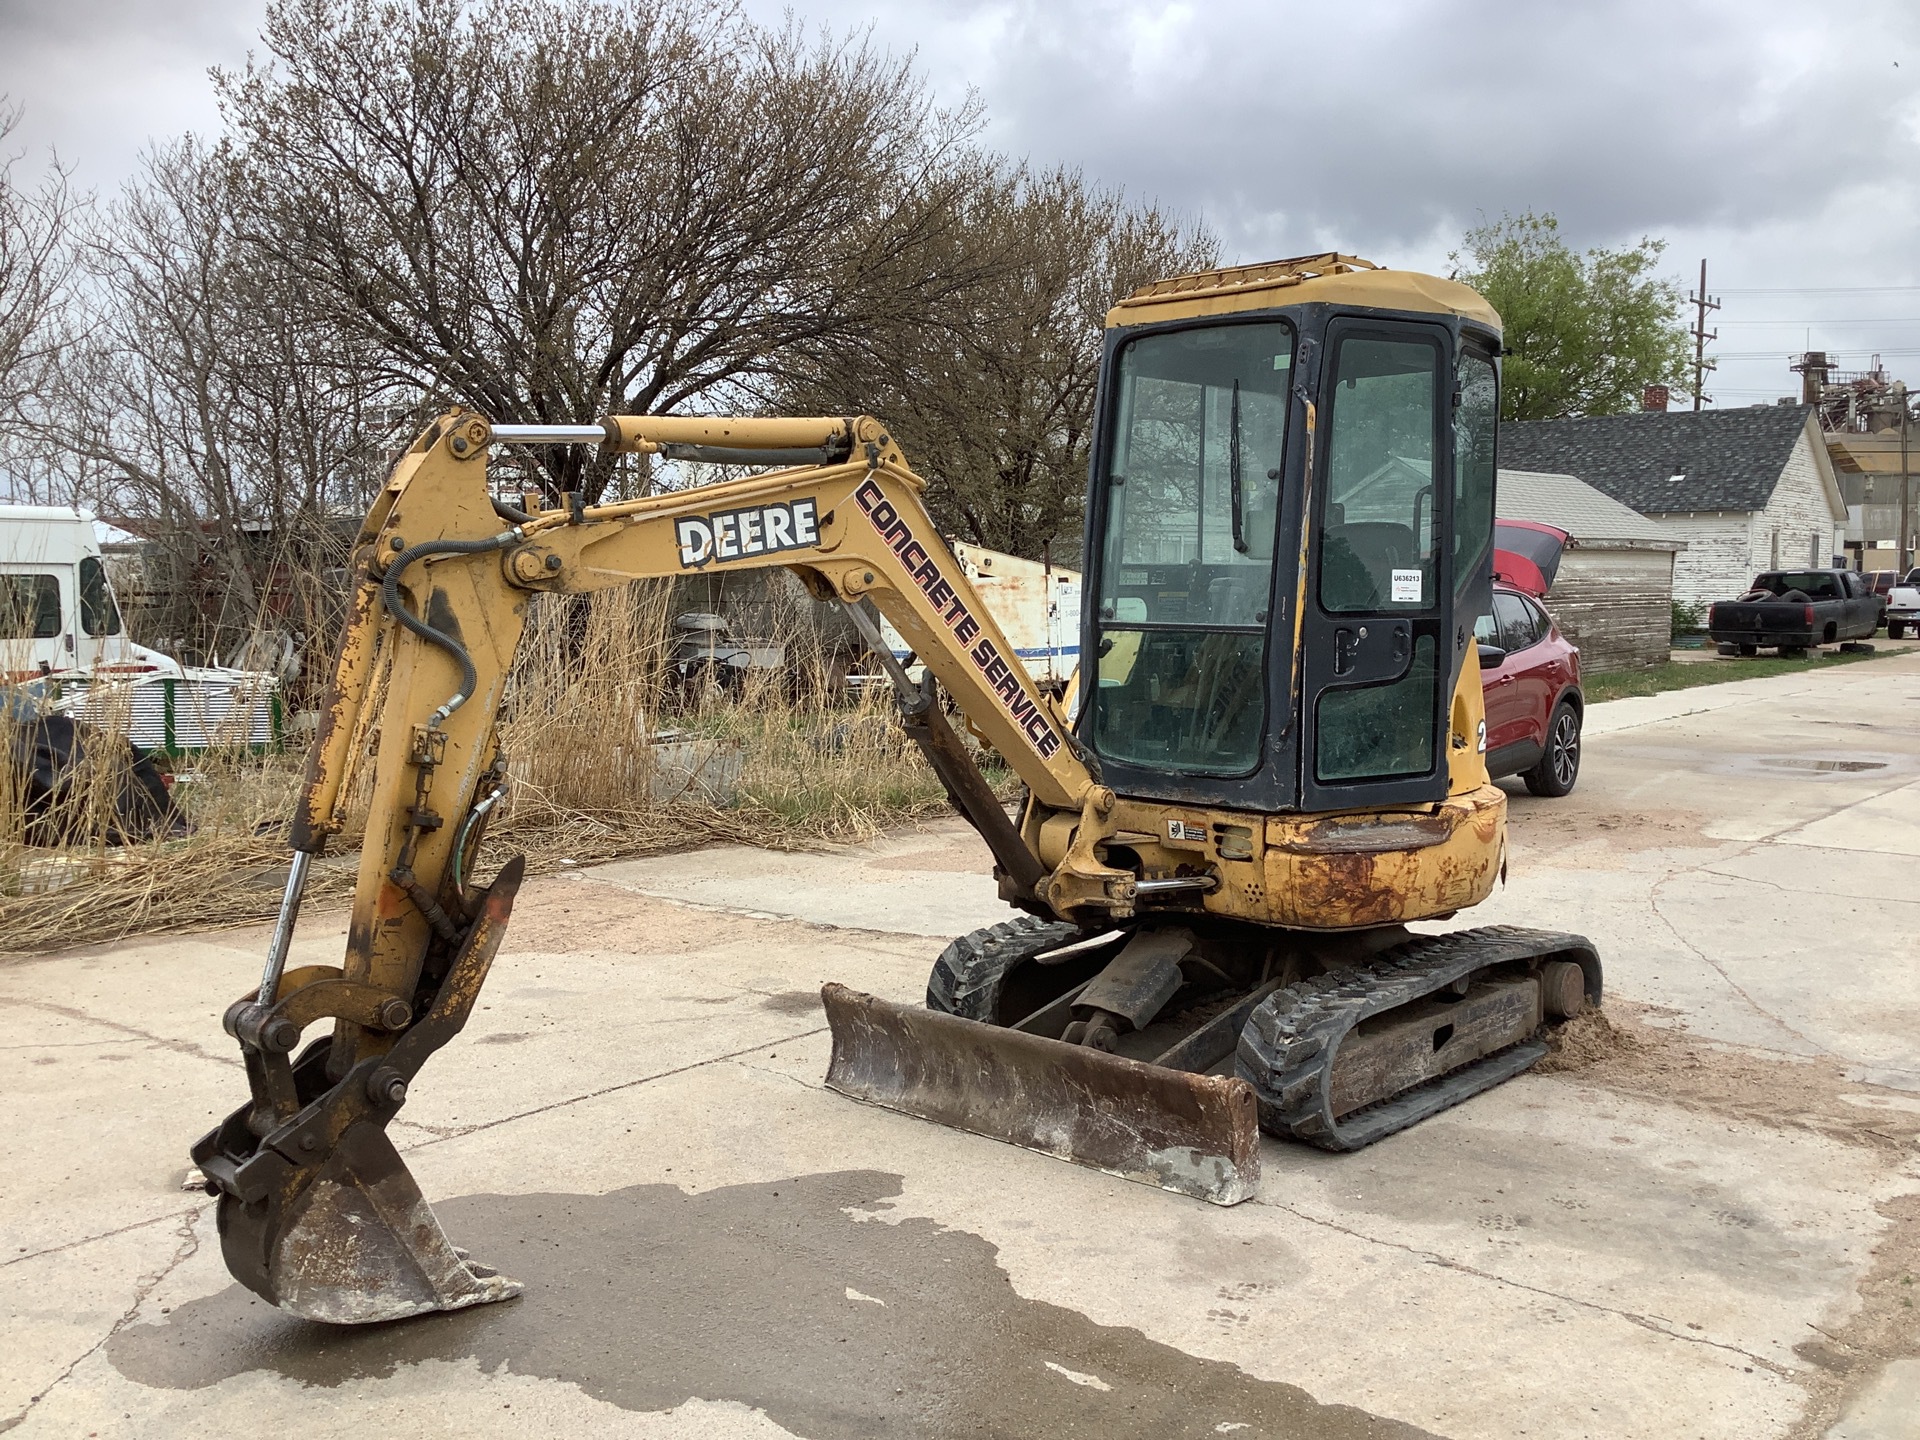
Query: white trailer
x=1036, y=604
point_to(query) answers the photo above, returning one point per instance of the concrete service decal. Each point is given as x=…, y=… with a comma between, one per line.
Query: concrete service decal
x=1004, y=674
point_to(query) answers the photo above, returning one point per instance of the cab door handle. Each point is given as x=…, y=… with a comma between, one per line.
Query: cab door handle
x=1345, y=646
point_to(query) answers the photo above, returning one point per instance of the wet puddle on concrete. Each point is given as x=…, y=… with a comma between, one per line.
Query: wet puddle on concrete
x=1820, y=767
x=788, y=1296
x=1814, y=764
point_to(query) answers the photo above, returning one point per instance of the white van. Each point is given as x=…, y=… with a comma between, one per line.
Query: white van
x=57, y=611
x=60, y=624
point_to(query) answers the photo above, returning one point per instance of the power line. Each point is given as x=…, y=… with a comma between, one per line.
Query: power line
x=1862, y=320
x=1776, y=355
x=1818, y=289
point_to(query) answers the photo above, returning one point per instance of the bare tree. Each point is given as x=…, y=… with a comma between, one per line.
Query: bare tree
x=554, y=211
x=994, y=395
x=36, y=263
x=206, y=409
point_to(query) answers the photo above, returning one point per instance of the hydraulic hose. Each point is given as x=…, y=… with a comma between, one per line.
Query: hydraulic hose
x=466, y=828
x=390, y=596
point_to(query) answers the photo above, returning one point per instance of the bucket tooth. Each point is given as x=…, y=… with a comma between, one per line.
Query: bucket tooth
x=1192, y=1134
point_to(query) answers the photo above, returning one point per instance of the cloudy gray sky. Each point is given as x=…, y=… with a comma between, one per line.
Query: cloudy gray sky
x=1779, y=140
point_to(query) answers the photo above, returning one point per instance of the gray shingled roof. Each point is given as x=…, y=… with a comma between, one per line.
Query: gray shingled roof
x=1590, y=517
x=1731, y=459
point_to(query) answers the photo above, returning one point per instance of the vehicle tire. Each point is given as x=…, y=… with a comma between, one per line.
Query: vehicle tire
x=1559, y=768
x=1748, y=651
x=970, y=979
x=1896, y=629
x=1793, y=652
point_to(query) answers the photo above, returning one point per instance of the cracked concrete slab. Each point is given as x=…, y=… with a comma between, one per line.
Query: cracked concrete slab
x=1701, y=1239
x=870, y=887
x=83, y=1159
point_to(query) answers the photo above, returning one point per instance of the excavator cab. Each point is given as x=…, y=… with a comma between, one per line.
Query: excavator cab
x=1272, y=763
x=1290, y=523
x=1292, y=507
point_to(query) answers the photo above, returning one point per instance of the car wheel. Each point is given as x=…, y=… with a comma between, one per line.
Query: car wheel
x=1559, y=768
x=1896, y=629
x=1748, y=651
x=1793, y=652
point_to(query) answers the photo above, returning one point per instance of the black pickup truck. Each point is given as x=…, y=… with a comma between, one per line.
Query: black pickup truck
x=1795, y=609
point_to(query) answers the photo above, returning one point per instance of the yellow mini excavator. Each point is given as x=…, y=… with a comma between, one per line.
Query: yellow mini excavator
x=1272, y=762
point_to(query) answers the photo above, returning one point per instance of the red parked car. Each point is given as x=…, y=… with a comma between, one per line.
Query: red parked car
x=1529, y=672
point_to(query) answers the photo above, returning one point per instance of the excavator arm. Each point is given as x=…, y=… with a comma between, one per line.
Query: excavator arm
x=317, y=1212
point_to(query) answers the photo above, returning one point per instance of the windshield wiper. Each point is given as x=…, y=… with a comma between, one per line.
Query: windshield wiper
x=1233, y=472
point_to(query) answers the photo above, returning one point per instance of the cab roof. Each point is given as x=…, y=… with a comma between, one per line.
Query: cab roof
x=1331, y=278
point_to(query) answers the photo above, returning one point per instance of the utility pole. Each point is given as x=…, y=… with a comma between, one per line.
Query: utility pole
x=1701, y=304
x=1906, y=489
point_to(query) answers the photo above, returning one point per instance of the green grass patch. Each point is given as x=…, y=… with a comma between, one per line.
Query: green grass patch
x=1715, y=670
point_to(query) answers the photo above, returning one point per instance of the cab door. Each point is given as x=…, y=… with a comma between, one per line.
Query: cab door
x=1377, y=624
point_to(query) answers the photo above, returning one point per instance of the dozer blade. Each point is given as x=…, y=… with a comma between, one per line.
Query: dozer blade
x=1192, y=1134
x=321, y=1216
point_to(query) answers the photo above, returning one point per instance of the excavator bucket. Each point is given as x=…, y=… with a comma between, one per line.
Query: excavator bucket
x=1192, y=1134
x=320, y=1215
x=356, y=1243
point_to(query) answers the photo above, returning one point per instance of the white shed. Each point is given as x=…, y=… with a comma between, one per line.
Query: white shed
x=1613, y=595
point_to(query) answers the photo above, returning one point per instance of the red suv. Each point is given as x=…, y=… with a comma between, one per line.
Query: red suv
x=1530, y=677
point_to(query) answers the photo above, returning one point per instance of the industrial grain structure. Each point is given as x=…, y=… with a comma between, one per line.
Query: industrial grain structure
x=1746, y=490
x=1613, y=595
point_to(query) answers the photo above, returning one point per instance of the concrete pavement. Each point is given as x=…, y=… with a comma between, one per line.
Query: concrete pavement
x=1705, y=1225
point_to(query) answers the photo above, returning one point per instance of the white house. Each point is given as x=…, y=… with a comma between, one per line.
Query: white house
x=1747, y=490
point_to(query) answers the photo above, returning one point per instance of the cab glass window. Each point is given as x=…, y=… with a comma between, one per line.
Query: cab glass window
x=29, y=607
x=1375, y=732
x=1200, y=427
x=1186, y=564
x=98, y=614
x=1377, y=547
x=1474, y=421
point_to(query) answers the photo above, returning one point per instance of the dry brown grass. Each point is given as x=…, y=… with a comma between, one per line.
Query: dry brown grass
x=592, y=683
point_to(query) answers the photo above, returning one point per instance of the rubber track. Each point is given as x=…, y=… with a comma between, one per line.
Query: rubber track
x=1289, y=1044
x=966, y=978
